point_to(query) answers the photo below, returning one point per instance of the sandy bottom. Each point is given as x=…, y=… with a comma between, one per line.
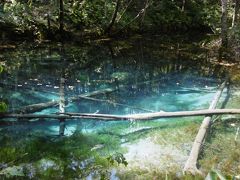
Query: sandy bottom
x=147, y=155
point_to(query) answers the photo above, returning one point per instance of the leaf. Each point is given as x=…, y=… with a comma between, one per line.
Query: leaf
x=215, y=174
x=1, y=69
x=3, y=107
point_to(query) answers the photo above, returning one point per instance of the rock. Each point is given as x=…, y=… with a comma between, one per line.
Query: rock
x=45, y=164
x=12, y=171
x=30, y=171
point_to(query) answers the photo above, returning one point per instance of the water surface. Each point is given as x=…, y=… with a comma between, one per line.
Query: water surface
x=145, y=74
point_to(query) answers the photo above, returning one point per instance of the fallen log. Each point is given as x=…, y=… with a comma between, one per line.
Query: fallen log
x=110, y=117
x=40, y=106
x=191, y=164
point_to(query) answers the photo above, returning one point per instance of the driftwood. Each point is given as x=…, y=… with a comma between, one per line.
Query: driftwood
x=191, y=164
x=109, y=117
x=40, y=106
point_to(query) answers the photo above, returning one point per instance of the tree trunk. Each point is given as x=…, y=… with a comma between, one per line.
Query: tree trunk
x=48, y=23
x=2, y=2
x=144, y=13
x=235, y=18
x=61, y=16
x=224, y=26
x=183, y=5
x=114, y=16
x=137, y=117
x=191, y=164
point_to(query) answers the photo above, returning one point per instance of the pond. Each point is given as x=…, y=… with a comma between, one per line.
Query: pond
x=135, y=76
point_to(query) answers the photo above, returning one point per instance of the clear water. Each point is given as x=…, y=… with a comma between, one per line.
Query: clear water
x=147, y=74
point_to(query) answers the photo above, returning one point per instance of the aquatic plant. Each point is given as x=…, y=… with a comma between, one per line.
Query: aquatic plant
x=3, y=107
x=54, y=157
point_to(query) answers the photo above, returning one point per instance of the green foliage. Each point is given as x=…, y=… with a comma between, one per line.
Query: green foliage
x=121, y=76
x=215, y=174
x=1, y=68
x=118, y=158
x=92, y=17
x=211, y=14
x=3, y=107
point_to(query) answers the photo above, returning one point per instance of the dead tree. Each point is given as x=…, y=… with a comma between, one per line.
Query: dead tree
x=191, y=164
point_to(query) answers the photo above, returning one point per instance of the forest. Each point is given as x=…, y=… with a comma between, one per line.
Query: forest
x=54, y=20
x=120, y=89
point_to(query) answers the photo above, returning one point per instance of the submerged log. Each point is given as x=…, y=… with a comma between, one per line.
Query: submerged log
x=115, y=103
x=191, y=164
x=40, y=106
x=110, y=117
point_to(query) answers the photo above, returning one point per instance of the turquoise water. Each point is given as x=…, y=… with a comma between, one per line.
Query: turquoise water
x=148, y=77
x=145, y=75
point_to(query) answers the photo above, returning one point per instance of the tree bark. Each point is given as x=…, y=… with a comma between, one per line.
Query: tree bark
x=224, y=26
x=144, y=13
x=235, y=18
x=183, y=5
x=48, y=25
x=113, y=19
x=61, y=17
x=191, y=164
x=110, y=117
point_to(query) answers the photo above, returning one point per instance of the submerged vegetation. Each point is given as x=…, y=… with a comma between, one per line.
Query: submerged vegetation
x=37, y=155
x=159, y=77
x=118, y=57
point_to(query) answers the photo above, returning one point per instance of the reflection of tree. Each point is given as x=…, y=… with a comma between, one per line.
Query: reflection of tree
x=96, y=67
x=114, y=65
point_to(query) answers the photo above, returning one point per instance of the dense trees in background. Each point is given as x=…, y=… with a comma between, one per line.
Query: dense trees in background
x=224, y=25
x=235, y=17
x=41, y=19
